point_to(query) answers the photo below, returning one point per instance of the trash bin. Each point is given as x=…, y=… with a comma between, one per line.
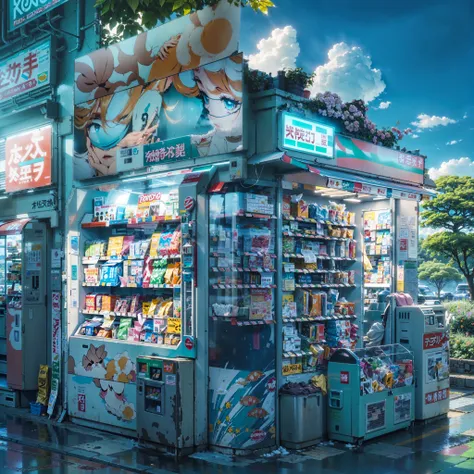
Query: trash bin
x=302, y=420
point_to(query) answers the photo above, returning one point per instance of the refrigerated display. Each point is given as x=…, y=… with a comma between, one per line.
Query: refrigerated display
x=135, y=290
x=242, y=282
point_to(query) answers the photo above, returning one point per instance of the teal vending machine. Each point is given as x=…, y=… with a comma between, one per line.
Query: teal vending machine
x=371, y=392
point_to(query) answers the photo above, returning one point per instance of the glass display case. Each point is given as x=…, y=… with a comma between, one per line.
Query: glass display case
x=371, y=392
x=242, y=282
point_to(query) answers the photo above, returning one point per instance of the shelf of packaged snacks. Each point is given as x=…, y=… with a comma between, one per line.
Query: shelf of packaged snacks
x=124, y=341
x=242, y=269
x=317, y=237
x=242, y=254
x=240, y=322
x=315, y=221
x=96, y=260
x=377, y=285
x=134, y=221
x=251, y=215
x=223, y=286
x=306, y=319
x=320, y=257
x=371, y=229
x=111, y=313
x=156, y=287
x=14, y=294
x=324, y=285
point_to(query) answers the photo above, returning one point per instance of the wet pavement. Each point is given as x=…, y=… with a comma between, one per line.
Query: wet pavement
x=34, y=445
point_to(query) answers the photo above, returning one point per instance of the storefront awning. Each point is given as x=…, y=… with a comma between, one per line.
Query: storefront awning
x=13, y=227
x=340, y=179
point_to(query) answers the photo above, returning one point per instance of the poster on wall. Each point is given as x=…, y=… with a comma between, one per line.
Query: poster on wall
x=55, y=350
x=181, y=79
x=21, y=12
x=25, y=71
x=28, y=160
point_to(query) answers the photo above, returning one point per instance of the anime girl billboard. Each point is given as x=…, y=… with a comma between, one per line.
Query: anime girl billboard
x=179, y=79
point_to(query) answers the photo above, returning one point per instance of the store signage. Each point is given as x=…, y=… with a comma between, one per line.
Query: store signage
x=21, y=12
x=167, y=151
x=189, y=203
x=355, y=187
x=291, y=369
x=344, y=378
x=358, y=155
x=168, y=367
x=55, y=350
x=307, y=136
x=26, y=71
x=438, y=396
x=434, y=340
x=28, y=160
x=129, y=159
x=81, y=402
x=43, y=204
x=188, y=343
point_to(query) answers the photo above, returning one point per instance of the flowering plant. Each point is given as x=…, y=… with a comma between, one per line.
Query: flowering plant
x=352, y=117
x=462, y=317
x=461, y=347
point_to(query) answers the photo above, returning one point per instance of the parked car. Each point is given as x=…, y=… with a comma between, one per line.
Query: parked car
x=462, y=292
x=425, y=294
x=447, y=296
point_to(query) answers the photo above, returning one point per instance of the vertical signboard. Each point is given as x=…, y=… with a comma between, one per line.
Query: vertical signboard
x=28, y=160
x=26, y=71
x=55, y=349
x=21, y=12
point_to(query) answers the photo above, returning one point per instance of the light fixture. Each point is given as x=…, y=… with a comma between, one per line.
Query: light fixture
x=3, y=197
x=352, y=200
x=30, y=191
x=22, y=216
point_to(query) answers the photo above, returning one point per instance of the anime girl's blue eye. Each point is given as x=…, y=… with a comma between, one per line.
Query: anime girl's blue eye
x=229, y=104
x=108, y=135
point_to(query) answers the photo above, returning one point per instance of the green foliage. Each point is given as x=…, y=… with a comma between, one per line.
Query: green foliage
x=438, y=274
x=299, y=77
x=462, y=317
x=461, y=347
x=130, y=17
x=453, y=208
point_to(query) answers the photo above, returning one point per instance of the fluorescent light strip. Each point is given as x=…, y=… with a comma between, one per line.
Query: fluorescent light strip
x=352, y=200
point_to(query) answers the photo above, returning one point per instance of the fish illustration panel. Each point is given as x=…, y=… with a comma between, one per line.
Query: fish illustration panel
x=242, y=408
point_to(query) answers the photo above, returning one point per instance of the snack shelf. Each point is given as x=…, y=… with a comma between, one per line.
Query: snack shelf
x=242, y=254
x=157, y=287
x=321, y=257
x=317, y=237
x=324, y=285
x=247, y=322
x=96, y=260
x=127, y=222
x=241, y=287
x=242, y=269
x=377, y=285
x=310, y=220
x=111, y=313
x=304, y=319
x=252, y=215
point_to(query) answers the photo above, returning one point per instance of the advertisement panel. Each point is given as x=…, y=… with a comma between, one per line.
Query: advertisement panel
x=307, y=136
x=25, y=71
x=21, y=12
x=181, y=79
x=358, y=155
x=28, y=160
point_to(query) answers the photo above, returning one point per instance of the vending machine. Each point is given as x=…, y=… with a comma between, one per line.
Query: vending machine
x=165, y=395
x=424, y=333
x=23, y=300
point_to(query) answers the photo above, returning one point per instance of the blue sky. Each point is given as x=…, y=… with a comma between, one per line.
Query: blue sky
x=423, y=49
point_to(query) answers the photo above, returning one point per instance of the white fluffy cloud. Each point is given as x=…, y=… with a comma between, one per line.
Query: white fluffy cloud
x=456, y=166
x=349, y=73
x=414, y=135
x=276, y=52
x=454, y=142
x=464, y=116
x=385, y=105
x=431, y=121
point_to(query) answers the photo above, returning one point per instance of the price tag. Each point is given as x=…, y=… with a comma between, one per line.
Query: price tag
x=289, y=267
x=291, y=369
x=174, y=326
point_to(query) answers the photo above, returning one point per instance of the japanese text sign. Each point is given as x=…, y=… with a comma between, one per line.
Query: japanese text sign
x=434, y=340
x=438, y=396
x=21, y=11
x=28, y=160
x=27, y=70
x=358, y=155
x=167, y=151
x=307, y=137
